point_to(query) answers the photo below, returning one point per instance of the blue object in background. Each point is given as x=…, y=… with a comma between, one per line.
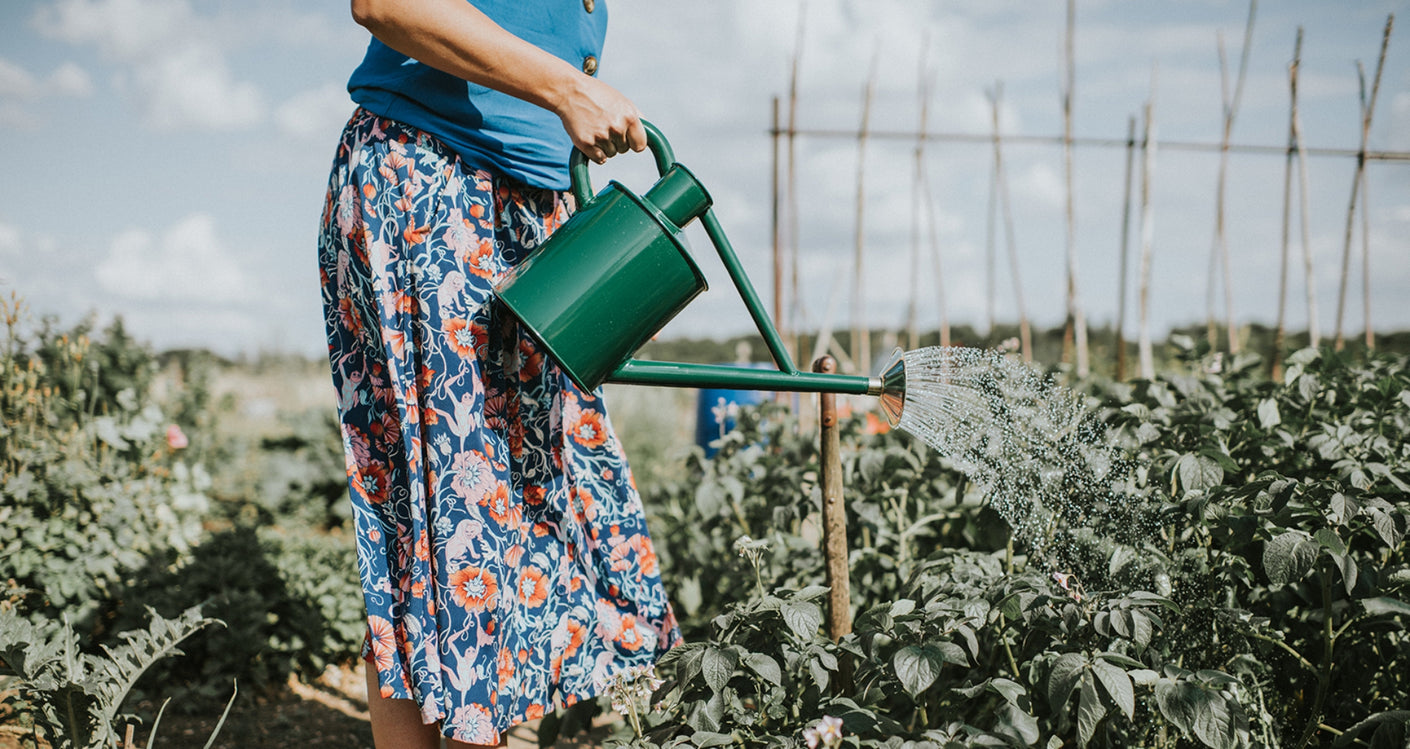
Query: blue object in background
x=717, y=408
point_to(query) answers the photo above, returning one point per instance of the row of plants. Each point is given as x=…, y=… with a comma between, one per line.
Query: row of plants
x=117, y=544
x=1264, y=603
x=1266, y=606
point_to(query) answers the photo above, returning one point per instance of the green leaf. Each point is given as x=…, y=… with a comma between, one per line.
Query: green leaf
x=1384, y=523
x=718, y=666
x=902, y=607
x=802, y=617
x=1118, y=685
x=1268, y=416
x=1214, y=724
x=1017, y=724
x=1329, y=540
x=710, y=738
x=1349, y=572
x=1198, y=472
x=765, y=666
x=1090, y=710
x=1176, y=702
x=1010, y=690
x=1344, y=508
x=1288, y=557
x=951, y=653
x=917, y=667
x=1063, y=679
x=1385, y=605
x=1391, y=722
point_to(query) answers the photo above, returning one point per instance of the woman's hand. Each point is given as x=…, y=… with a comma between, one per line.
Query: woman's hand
x=600, y=120
x=453, y=36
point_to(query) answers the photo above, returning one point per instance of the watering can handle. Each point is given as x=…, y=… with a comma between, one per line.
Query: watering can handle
x=578, y=163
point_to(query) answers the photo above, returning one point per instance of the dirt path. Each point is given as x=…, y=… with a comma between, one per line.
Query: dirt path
x=331, y=712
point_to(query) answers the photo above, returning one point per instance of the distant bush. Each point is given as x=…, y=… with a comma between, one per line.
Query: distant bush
x=92, y=481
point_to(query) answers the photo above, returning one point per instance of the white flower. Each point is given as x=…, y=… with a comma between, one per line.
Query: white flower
x=827, y=733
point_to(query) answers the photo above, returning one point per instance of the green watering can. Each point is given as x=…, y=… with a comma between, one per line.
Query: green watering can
x=617, y=271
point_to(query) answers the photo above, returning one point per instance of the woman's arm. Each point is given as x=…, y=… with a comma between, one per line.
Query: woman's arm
x=453, y=36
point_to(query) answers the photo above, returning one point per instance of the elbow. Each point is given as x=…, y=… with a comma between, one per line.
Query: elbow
x=371, y=14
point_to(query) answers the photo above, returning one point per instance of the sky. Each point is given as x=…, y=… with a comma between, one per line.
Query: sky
x=165, y=160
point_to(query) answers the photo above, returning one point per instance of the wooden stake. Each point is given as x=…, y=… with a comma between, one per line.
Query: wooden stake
x=839, y=606
x=795, y=313
x=1076, y=327
x=1314, y=334
x=777, y=226
x=1368, y=108
x=933, y=225
x=923, y=89
x=1147, y=232
x=1275, y=357
x=861, y=343
x=1220, y=248
x=1001, y=188
x=991, y=232
x=1125, y=237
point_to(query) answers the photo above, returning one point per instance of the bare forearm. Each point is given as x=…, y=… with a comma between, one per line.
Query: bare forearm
x=454, y=37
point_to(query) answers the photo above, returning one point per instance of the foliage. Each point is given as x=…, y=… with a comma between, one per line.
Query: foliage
x=91, y=485
x=71, y=697
x=291, y=603
x=1268, y=608
x=103, y=513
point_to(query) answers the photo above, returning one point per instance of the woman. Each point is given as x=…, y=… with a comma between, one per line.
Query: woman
x=501, y=545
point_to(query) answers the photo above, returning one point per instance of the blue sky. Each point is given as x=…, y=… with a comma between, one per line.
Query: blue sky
x=165, y=159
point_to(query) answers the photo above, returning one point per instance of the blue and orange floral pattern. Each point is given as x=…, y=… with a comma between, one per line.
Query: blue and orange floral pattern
x=501, y=542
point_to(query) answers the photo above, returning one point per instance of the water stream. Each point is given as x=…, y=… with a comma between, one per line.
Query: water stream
x=1034, y=449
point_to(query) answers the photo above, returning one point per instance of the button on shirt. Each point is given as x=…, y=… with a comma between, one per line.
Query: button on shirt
x=486, y=128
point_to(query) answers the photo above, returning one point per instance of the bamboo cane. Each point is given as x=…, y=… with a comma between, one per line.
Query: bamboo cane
x=796, y=308
x=1076, y=327
x=1275, y=357
x=1314, y=334
x=1125, y=236
x=1367, y=111
x=861, y=343
x=1148, y=146
x=777, y=232
x=1025, y=332
x=923, y=91
x=934, y=232
x=1220, y=249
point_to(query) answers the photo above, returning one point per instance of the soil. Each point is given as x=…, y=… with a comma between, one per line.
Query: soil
x=331, y=712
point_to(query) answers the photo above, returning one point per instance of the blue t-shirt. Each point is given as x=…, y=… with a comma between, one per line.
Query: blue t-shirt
x=487, y=128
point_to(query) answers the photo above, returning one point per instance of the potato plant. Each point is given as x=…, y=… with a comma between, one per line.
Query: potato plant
x=1266, y=606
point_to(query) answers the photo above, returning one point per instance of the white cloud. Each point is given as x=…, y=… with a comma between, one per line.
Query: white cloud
x=188, y=262
x=122, y=29
x=15, y=80
x=176, y=60
x=9, y=239
x=1039, y=183
x=191, y=86
x=70, y=80
x=315, y=114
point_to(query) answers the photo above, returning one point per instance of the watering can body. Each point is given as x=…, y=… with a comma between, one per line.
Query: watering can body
x=618, y=270
x=610, y=277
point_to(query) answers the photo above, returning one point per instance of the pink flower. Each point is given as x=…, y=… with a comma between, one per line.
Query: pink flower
x=175, y=438
x=1069, y=583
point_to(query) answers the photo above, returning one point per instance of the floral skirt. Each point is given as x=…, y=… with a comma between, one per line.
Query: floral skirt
x=500, y=538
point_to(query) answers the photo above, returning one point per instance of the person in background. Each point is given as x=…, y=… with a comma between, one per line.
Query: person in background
x=501, y=543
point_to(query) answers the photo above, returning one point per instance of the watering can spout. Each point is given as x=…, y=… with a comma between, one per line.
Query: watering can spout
x=890, y=387
x=612, y=275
